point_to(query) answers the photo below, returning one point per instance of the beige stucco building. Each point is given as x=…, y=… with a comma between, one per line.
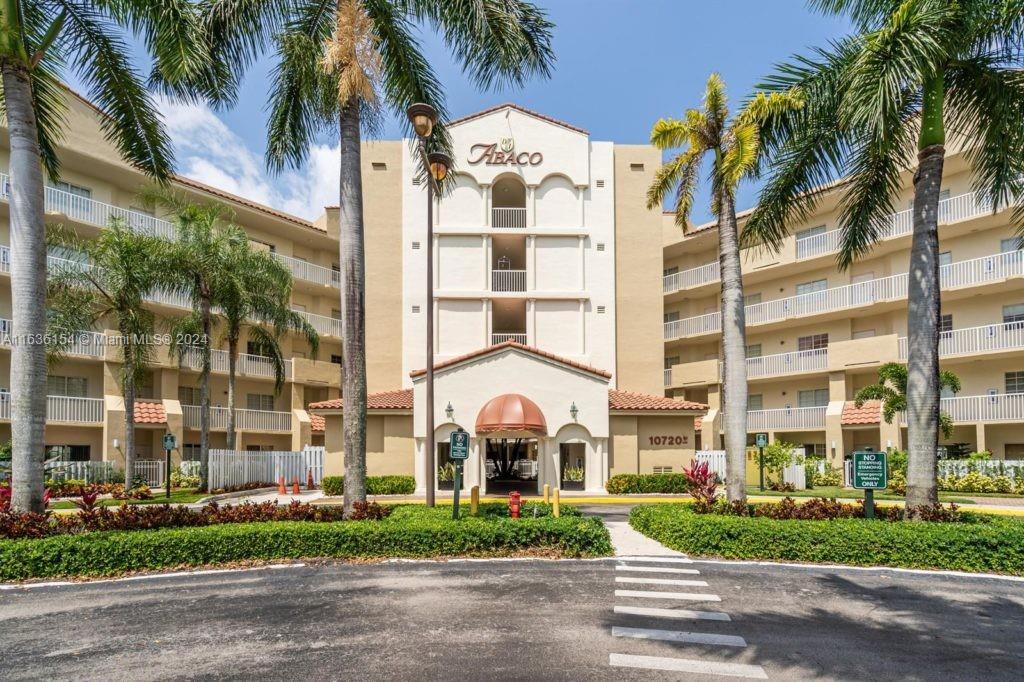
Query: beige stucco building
x=817, y=334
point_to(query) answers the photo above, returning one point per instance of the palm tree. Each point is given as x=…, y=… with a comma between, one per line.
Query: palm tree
x=891, y=389
x=39, y=43
x=913, y=70
x=339, y=63
x=254, y=291
x=109, y=281
x=734, y=147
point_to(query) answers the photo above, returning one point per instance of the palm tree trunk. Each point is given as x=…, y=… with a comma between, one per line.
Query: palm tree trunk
x=204, y=399
x=734, y=352
x=924, y=304
x=232, y=363
x=353, y=281
x=28, y=293
x=129, y=412
x=923, y=310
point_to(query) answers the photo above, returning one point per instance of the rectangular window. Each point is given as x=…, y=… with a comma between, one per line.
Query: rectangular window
x=754, y=350
x=812, y=342
x=190, y=452
x=811, y=287
x=945, y=324
x=1014, y=314
x=77, y=190
x=75, y=387
x=188, y=395
x=669, y=362
x=259, y=401
x=670, y=271
x=810, y=232
x=817, y=397
x=752, y=299
x=1015, y=382
x=755, y=402
x=336, y=359
x=256, y=348
x=945, y=258
x=1009, y=245
x=671, y=316
x=258, y=245
x=335, y=313
x=864, y=334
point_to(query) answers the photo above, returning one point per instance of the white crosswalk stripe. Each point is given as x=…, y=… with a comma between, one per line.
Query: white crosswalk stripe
x=683, y=614
x=680, y=636
x=657, y=569
x=685, y=596
x=660, y=581
x=686, y=665
x=656, y=559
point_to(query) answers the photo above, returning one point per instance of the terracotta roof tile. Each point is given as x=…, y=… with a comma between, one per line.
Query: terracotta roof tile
x=317, y=422
x=385, y=400
x=869, y=413
x=628, y=400
x=149, y=413
x=510, y=105
x=518, y=346
x=697, y=423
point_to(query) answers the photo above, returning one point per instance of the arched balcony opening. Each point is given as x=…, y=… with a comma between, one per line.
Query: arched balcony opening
x=508, y=203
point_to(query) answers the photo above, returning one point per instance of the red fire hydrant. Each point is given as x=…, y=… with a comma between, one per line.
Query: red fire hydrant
x=514, y=504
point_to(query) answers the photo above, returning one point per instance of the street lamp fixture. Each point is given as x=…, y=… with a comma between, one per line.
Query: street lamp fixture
x=423, y=117
x=440, y=163
x=574, y=411
x=449, y=412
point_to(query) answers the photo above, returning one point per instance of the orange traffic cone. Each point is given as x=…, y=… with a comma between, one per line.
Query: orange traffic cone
x=280, y=486
x=295, y=485
x=310, y=485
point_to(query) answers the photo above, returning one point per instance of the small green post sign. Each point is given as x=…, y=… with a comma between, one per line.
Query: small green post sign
x=870, y=473
x=458, y=451
x=170, y=442
x=760, y=440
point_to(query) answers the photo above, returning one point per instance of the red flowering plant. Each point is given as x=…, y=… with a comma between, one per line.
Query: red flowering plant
x=702, y=483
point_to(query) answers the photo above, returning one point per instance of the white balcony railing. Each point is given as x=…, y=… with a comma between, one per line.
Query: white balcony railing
x=668, y=377
x=91, y=344
x=92, y=212
x=787, y=363
x=508, y=217
x=245, y=420
x=953, y=276
x=1006, y=407
x=786, y=418
x=62, y=408
x=508, y=280
x=246, y=365
x=324, y=325
x=972, y=340
x=503, y=337
x=951, y=210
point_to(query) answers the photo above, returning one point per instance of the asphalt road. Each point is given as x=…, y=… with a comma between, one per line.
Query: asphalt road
x=525, y=620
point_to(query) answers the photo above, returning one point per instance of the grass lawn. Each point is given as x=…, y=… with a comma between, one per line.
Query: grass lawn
x=851, y=494
x=179, y=496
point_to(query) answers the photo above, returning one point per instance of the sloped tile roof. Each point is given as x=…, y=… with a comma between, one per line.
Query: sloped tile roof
x=149, y=413
x=518, y=346
x=385, y=400
x=510, y=105
x=868, y=413
x=317, y=422
x=628, y=400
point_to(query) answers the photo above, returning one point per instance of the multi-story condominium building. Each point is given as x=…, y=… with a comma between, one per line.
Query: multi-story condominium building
x=817, y=334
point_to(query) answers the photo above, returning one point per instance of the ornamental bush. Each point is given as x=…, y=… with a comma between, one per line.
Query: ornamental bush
x=978, y=543
x=831, y=477
x=411, y=531
x=978, y=482
x=627, y=484
x=375, y=485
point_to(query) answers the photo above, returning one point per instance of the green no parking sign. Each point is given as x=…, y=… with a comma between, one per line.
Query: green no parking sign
x=869, y=474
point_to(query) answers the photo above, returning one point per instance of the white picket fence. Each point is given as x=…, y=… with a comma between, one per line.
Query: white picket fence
x=990, y=467
x=715, y=460
x=230, y=468
x=90, y=472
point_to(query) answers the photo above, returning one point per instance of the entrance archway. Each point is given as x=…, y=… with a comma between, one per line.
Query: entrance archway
x=511, y=463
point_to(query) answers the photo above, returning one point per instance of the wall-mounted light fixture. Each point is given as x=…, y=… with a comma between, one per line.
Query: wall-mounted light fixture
x=449, y=411
x=574, y=411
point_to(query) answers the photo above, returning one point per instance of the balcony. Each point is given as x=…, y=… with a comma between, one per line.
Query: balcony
x=1007, y=407
x=508, y=280
x=951, y=210
x=786, y=418
x=503, y=337
x=326, y=326
x=668, y=377
x=99, y=214
x=787, y=363
x=60, y=408
x=508, y=217
x=247, y=365
x=972, y=340
x=90, y=344
x=966, y=273
x=245, y=420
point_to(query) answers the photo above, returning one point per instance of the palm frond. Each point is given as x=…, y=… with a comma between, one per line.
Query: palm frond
x=741, y=155
x=669, y=133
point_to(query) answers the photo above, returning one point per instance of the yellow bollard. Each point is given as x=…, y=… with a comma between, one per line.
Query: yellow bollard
x=474, y=499
x=556, y=507
x=547, y=493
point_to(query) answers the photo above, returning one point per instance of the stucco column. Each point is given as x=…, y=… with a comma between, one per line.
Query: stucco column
x=580, y=192
x=487, y=321
x=583, y=326
x=486, y=189
x=531, y=322
x=418, y=460
x=979, y=430
x=583, y=262
x=531, y=263
x=531, y=202
x=890, y=432
x=834, y=431
x=488, y=279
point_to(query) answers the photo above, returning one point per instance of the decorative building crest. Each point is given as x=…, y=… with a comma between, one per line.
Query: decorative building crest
x=492, y=155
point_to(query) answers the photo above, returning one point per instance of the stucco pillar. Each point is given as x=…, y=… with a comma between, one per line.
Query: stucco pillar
x=419, y=459
x=583, y=262
x=834, y=431
x=531, y=202
x=471, y=472
x=531, y=263
x=837, y=386
x=583, y=326
x=486, y=189
x=488, y=279
x=890, y=432
x=979, y=430
x=175, y=425
x=113, y=429
x=581, y=193
x=302, y=429
x=488, y=322
x=531, y=322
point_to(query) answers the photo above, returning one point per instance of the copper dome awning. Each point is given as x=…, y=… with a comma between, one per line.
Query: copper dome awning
x=511, y=412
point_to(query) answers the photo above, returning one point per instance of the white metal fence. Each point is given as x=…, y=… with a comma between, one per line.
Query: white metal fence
x=786, y=418
x=508, y=217
x=246, y=364
x=990, y=467
x=715, y=460
x=230, y=468
x=986, y=338
x=508, y=280
x=90, y=472
x=502, y=337
x=245, y=420
x=787, y=363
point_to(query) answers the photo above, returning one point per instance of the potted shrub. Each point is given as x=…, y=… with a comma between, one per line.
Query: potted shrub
x=446, y=477
x=572, y=478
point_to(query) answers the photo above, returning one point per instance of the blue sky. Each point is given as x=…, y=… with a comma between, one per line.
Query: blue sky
x=621, y=65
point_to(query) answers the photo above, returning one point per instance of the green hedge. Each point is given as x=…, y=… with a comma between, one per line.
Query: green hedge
x=408, y=532
x=375, y=485
x=624, y=484
x=986, y=543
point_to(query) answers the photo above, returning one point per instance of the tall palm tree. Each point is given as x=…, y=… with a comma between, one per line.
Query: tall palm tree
x=874, y=101
x=732, y=144
x=114, y=275
x=339, y=64
x=891, y=390
x=254, y=291
x=41, y=41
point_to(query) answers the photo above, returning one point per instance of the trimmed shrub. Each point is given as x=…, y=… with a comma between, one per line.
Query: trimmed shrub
x=411, y=531
x=979, y=543
x=375, y=485
x=831, y=477
x=627, y=484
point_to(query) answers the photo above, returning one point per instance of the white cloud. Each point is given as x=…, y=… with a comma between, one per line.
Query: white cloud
x=208, y=151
